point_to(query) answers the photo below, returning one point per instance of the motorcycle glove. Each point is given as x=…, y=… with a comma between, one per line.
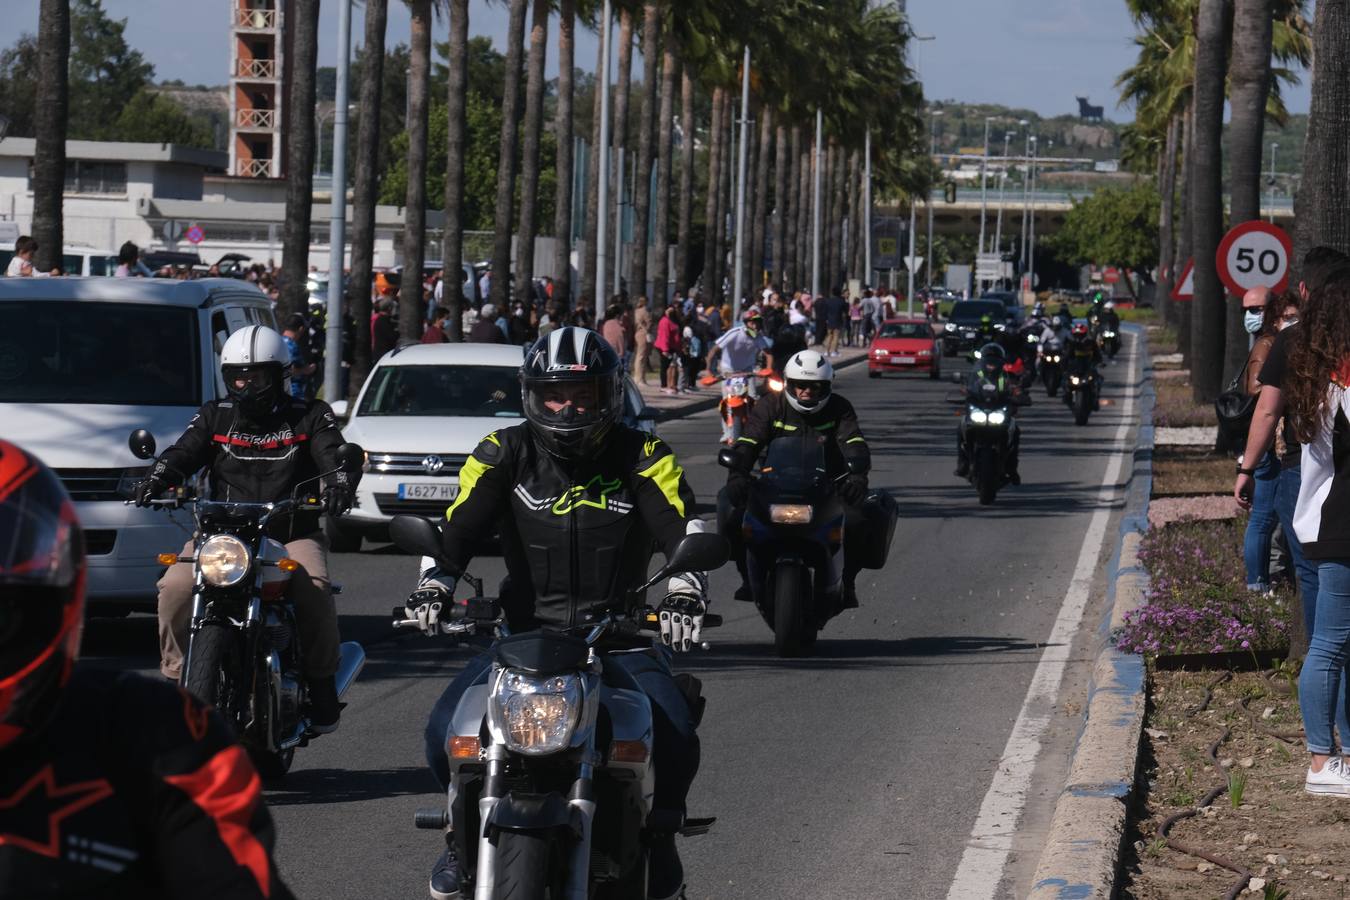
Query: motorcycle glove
x=681, y=612
x=336, y=500
x=853, y=489
x=154, y=486
x=738, y=489
x=432, y=599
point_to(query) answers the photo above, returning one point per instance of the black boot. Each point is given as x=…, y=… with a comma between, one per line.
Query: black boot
x=324, y=708
x=665, y=872
x=849, y=598
x=743, y=594
x=445, y=876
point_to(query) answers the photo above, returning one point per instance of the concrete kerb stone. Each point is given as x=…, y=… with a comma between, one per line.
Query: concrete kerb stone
x=1084, y=848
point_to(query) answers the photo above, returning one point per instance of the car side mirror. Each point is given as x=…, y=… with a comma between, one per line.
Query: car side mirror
x=726, y=458
x=340, y=408
x=142, y=444
x=414, y=534
x=351, y=458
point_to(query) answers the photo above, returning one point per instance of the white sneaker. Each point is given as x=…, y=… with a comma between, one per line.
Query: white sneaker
x=1332, y=781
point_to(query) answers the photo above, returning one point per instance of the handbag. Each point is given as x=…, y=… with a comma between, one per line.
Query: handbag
x=1234, y=409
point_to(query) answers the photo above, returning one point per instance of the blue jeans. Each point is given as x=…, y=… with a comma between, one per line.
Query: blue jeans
x=1324, y=683
x=1261, y=525
x=1286, y=498
x=675, y=754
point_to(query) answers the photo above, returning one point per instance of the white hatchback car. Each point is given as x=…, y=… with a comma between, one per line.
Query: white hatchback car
x=422, y=411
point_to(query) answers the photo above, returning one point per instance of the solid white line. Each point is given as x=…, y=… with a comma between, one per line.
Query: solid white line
x=986, y=853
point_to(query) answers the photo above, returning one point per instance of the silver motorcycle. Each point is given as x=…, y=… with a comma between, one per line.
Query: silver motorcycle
x=551, y=758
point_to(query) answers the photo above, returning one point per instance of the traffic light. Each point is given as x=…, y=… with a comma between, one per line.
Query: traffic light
x=949, y=191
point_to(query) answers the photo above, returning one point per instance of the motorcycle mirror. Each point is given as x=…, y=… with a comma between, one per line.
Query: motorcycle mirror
x=700, y=551
x=417, y=535
x=142, y=444
x=351, y=458
x=726, y=458
x=956, y=378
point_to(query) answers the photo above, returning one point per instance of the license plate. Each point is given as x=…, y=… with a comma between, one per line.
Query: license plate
x=970, y=335
x=903, y=360
x=445, y=492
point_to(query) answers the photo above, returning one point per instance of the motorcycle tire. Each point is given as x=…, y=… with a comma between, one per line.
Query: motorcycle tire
x=1052, y=384
x=272, y=765
x=1082, y=407
x=525, y=866
x=794, y=630
x=213, y=653
x=987, y=477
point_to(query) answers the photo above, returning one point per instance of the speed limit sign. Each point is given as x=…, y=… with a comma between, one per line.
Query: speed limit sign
x=1254, y=254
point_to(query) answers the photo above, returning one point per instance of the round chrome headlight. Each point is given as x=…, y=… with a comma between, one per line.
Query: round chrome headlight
x=223, y=560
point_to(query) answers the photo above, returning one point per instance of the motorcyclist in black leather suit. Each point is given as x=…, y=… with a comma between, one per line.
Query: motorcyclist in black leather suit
x=989, y=374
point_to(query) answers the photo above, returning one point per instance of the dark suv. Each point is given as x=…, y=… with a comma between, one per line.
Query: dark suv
x=961, y=333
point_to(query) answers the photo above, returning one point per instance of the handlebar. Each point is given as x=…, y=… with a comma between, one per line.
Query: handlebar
x=622, y=625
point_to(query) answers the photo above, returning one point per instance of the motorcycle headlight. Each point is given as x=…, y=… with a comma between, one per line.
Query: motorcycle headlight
x=998, y=417
x=979, y=416
x=223, y=560
x=790, y=513
x=1074, y=379
x=1053, y=359
x=534, y=715
x=951, y=326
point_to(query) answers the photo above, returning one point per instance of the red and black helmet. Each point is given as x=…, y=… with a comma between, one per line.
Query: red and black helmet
x=1079, y=329
x=42, y=572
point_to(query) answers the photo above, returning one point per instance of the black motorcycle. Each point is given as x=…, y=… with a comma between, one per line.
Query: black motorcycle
x=794, y=536
x=1109, y=338
x=243, y=656
x=988, y=430
x=551, y=755
x=1052, y=366
x=1081, y=392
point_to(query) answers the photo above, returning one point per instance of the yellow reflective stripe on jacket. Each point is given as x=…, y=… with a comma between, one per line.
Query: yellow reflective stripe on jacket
x=468, y=477
x=666, y=474
x=855, y=440
x=746, y=440
x=778, y=423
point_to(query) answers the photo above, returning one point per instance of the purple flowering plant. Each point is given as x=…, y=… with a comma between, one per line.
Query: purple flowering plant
x=1197, y=599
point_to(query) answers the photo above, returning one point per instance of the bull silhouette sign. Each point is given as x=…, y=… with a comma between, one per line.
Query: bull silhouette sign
x=1087, y=112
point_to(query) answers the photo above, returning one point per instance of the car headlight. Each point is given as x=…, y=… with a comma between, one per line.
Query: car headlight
x=224, y=560
x=790, y=513
x=535, y=715
x=925, y=353
x=881, y=352
x=997, y=417
x=951, y=326
x=979, y=416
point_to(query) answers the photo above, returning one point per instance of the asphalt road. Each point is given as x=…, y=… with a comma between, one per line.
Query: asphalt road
x=858, y=773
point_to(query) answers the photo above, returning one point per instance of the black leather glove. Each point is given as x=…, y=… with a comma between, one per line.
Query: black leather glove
x=738, y=489
x=154, y=486
x=853, y=489
x=336, y=500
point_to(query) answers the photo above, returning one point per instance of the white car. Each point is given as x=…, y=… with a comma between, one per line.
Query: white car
x=422, y=411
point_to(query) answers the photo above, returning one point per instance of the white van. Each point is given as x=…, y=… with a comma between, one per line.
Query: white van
x=83, y=362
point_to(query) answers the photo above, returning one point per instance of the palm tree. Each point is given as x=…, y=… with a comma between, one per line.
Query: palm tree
x=780, y=205
x=683, y=233
x=651, y=32
x=1322, y=208
x=712, y=214
x=49, y=155
x=591, y=231
x=1185, y=232
x=754, y=276
x=506, y=159
x=618, y=137
x=805, y=169
x=1167, y=188
x=452, y=246
x=534, y=125
x=1207, y=310
x=363, y=200
x=411, y=309
x=299, y=159
x=562, y=129
x=664, y=134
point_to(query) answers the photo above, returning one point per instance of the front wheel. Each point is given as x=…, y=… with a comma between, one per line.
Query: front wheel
x=987, y=477
x=213, y=675
x=794, y=628
x=1051, y=383
x=1082, y=406
x=528, y=866
x=272, y=765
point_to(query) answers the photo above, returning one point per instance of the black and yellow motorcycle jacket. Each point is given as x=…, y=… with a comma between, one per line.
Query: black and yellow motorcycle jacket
x=576, y=536
x=835, y=421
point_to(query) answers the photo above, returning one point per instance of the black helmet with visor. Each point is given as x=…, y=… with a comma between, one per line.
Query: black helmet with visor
x=572, y=385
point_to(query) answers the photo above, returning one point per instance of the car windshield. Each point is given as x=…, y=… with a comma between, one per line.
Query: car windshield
x=443, y=391
x=57, y=351
x=972, y=310
x=906, y=330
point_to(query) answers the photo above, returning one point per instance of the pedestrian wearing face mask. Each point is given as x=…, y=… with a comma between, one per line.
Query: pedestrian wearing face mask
x=1256, y=303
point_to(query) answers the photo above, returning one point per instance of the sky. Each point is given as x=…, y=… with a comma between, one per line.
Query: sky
x=1034, y=54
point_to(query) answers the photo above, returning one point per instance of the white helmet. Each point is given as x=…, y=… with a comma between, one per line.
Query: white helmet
x=1109, y=305
x=255, y=365
x=808, y=366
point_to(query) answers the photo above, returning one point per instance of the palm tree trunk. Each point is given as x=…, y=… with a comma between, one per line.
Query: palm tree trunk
x=1167, y=188
x=837, y=201
x=855, y=217
x=619, y=137
x=534, y=125
x=710, y=207
x=506, y=159
x=780, y=207
x=51, y=113
x=562, y=129
x=363, y=199
x=1249, y=89
x=651, y=32
x=755, y=279
x=726, y=201
x=299, y=158
x=590, y=229
x=1207, y=312
x=411, y=309
x=1185, y=243
x=1322, y=213
x=452, y=241
x=683, y=276
x=804, y=171
x=665, y=147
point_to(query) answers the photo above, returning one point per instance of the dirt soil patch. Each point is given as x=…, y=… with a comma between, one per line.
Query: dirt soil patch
x=1261, y=821
x=1175, y=408
x=1187, y=471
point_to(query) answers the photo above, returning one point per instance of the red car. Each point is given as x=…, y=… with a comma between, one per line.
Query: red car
x=905, y=345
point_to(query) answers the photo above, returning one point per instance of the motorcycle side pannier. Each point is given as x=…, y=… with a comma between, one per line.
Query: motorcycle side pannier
x=879, y=513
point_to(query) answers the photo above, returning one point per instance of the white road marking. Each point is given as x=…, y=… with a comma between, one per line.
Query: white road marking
x=986, y=854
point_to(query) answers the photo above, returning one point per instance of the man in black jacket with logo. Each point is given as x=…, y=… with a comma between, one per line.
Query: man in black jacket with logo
x=259, y=446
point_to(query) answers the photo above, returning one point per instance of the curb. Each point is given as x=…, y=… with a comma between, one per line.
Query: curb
x=670, y=413
x=1083, y=849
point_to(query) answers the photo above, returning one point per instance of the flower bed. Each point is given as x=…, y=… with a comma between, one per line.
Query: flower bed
x=1197, y=600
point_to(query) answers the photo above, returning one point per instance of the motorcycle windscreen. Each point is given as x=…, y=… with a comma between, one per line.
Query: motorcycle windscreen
x=795, y=459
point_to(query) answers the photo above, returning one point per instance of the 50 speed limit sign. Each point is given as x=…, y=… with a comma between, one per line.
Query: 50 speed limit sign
x=1254, y=254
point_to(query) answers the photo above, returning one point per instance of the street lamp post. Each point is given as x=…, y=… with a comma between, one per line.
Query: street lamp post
x=932, y=154
x=1274, y=147
x=815, y=205
x=337, y=204
x=741, y=164
x=1026, y=194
